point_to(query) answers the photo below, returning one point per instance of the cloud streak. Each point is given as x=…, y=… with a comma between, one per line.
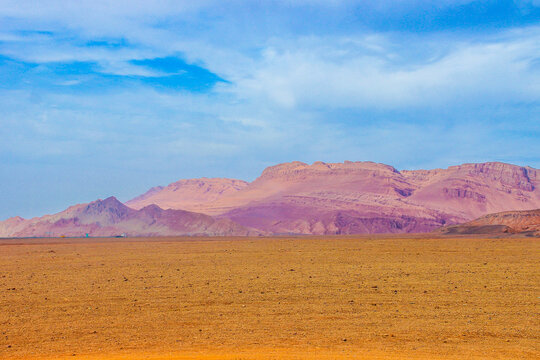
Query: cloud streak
x=341, y=73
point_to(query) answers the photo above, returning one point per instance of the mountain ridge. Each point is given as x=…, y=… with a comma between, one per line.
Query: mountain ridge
x=110, y=217
x=189, y=191
x=322, y=198
x=296, y=197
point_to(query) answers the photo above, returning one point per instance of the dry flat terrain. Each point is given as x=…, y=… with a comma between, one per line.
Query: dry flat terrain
x=270, y=298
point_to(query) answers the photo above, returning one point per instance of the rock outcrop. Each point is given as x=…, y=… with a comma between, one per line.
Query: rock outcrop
x=526, y=222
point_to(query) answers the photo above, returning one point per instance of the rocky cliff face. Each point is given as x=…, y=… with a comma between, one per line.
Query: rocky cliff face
x=110, y=217
x=509, y=222
x=472, y=190
x=365, y=197
x=361, y=197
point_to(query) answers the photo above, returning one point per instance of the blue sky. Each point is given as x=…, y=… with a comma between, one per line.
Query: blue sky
x=102, y=98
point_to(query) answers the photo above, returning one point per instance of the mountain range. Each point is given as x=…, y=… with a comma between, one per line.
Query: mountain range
x=298, y=198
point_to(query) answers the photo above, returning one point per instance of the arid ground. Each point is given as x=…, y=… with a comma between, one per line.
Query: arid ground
x=270, y=298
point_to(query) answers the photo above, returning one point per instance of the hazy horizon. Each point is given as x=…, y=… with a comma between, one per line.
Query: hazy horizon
x=132, y=197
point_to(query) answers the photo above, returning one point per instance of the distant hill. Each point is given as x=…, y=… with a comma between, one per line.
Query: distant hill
x=356, y=197
x=110, y=217
x=298, y=198
x=525, y=222
x=187, y=194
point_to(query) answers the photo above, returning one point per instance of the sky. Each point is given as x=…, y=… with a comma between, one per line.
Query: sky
x=101, y=98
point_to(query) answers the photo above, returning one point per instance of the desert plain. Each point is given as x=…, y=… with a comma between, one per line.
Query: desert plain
x=333, y=297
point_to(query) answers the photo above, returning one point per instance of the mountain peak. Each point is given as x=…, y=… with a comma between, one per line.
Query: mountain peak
x=109, y=210
x=296, y=168
x=14, y=219
x=187, y=194
x=507, y=174
x=111, y=203
x=151, y=207
x=111, y=200
x=152, y=210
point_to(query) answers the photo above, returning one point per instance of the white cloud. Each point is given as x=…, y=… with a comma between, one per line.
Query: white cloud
x=357, y=70
x=330, y=72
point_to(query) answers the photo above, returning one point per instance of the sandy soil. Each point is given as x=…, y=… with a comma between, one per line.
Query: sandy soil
x=270, y=298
